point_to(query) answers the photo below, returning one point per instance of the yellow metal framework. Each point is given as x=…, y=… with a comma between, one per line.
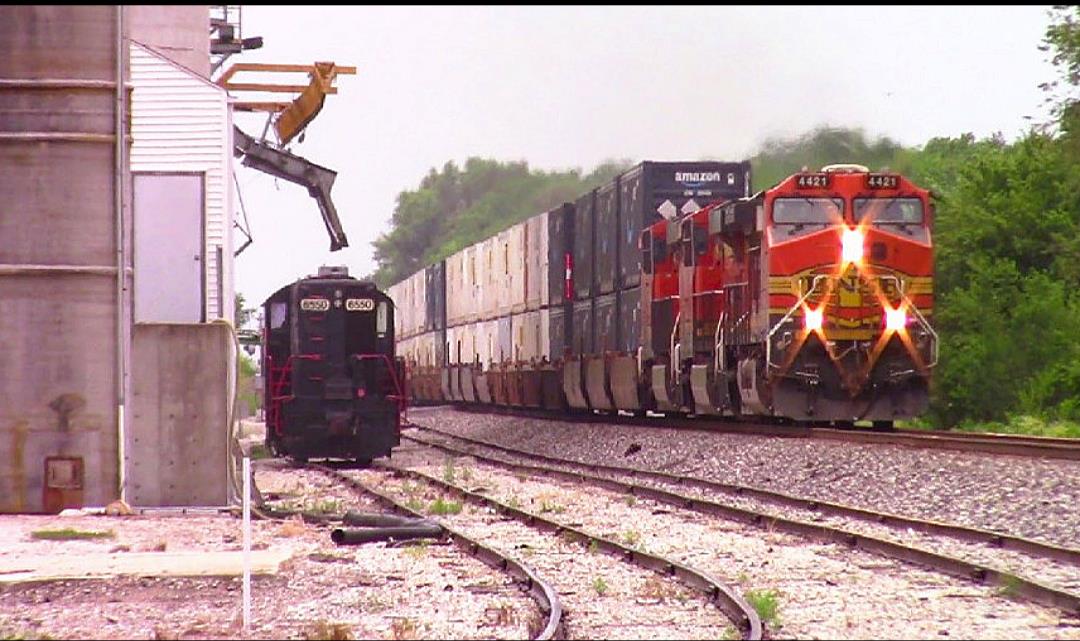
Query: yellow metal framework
x=294, y=115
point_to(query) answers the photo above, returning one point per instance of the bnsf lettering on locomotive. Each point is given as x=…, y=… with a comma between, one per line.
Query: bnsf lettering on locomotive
x=359, y=304
x=314, y=304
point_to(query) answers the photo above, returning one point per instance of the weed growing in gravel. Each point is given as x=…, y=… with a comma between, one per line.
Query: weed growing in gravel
x=259, y=451
x=414, y=503
x=632, y=538
x=418, y=550
x=732, y=633
x=742, y=578
x=656, y=588
x=466, y=473
x=1010, y=585
x=631, y=500
x=323, y=630
x=448, y=471
x=765, y=602
x=513, y=502
x=327, y=506
x=600, y=585
x=594, y=546
x=439, y=506
x=68, y=534
x=546, y=507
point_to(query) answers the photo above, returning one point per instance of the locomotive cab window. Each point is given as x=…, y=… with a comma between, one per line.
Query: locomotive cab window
x=903, y=216
x=381, y=315
x=278, y=315
x=794, y=217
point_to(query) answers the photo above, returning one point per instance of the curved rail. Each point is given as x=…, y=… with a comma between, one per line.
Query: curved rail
x=541, y=592
x=1033, y=590
x=741, y=613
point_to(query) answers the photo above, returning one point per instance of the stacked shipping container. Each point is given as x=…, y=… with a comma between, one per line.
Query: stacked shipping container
x=564, y=282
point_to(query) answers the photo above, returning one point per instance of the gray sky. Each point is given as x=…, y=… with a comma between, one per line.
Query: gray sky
x=565, y=87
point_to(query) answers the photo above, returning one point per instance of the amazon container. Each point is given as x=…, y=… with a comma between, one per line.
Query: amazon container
x=584, y=271
x=654, y=190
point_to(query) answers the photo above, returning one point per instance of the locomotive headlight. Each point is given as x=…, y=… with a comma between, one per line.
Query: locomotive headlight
x=851, y=245
x=813, y=318
x=895, y=319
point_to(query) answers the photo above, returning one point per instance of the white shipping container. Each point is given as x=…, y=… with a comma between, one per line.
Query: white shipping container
x=536, y=277
x=489, y=294
x=517, y=265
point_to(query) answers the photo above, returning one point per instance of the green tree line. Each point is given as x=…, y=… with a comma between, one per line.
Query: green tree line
x=1006, y=235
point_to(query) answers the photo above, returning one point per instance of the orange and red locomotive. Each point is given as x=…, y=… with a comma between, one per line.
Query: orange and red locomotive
x=811, y=300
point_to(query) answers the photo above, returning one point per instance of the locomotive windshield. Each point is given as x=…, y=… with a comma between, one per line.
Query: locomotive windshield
x=894, y=215
x=798, y=216
x=902, y=211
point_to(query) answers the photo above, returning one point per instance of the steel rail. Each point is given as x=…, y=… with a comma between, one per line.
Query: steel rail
x=738, y=611
x=540, y=590
x=974, y=535
x=1033, y=590
x=1003, y=444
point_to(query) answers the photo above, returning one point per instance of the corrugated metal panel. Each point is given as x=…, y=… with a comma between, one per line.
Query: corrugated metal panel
x=517, y=265
x=488, y=292
x=502, y=270
x=181, y=122
x=528, y=337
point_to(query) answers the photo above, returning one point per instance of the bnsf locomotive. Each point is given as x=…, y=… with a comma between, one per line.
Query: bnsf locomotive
x=673, y=289
x=332, y=384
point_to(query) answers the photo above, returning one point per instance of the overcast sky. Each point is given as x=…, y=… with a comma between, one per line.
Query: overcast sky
x=564, y=87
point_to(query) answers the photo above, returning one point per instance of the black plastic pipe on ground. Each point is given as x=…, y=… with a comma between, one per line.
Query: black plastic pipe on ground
x=367, y=535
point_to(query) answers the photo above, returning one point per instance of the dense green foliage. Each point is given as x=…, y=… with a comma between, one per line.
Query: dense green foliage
x=1007, y=237
x=454, y=208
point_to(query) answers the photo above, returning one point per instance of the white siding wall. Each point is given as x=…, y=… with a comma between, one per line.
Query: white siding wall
x=181, y=122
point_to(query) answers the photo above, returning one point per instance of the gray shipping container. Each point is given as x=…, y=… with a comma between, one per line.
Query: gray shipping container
x=436, y=295
x=584, y=273
x=606, y=261
x=629, y=320
x=606, y=323
x=653, y=190
x=558, y=321
x=560, y=242
x=581, y=330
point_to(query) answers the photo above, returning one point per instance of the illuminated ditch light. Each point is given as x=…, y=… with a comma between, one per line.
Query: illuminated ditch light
x=813, y=318
x=851, y=243
x=895, y=319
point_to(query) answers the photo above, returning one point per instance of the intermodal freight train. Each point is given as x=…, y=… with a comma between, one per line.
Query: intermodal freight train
x=673, y=289
x=332, y=384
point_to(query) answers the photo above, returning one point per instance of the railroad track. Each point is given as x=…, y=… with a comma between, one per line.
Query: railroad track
x=540, y=591
x=734, y=607
x=1046, y=574
x=981, y=442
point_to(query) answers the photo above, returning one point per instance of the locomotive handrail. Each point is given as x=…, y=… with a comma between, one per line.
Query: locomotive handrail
x=276, y=399
x=675, y=364
x=768, y=338
x=718, y=344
